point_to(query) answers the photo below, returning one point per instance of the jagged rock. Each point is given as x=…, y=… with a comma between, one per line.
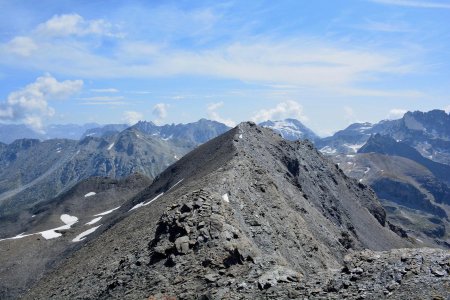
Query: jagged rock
x=277, y=275
x=182, y=244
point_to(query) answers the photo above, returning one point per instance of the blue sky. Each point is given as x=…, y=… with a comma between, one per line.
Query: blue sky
x=326, y=63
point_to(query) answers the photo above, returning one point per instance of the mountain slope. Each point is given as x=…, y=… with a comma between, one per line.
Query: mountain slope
x=411, y=195
x=33, y=171
x=104, y=131
x=427, y=132
x=46, y=238
x=191, y=133
x=246, y=215
x=387, y=145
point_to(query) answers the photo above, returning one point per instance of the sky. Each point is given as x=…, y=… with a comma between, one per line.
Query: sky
x=325, y=63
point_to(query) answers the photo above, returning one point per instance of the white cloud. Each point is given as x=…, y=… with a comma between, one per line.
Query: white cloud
x=283, y=110
x=132, y=117
x=214, y=115
x=412, y=3
x=160, y=110
x=21, y=45
x=396, y=113
x=74, y=24
x=447, y=109
x=30, y=104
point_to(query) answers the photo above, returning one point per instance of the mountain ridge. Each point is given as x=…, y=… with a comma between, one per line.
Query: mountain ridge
x=255, y=204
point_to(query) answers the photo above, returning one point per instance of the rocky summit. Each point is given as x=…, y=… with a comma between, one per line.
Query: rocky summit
x=250, y=215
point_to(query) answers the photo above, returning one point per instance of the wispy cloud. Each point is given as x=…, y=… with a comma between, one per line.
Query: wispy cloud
x=108, y=90
x=392, y=27
x=412, y=3
x=213, y=114
x=302, y=62
x=103, y=100
x=132, y=117
x=74, y=24
x=396, y=113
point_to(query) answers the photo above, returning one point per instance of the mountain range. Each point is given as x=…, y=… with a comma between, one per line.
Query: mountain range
x=250, y=212
x=246, y=215
x=33, y=171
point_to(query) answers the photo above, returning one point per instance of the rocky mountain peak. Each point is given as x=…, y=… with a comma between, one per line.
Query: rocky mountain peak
x=247, y=213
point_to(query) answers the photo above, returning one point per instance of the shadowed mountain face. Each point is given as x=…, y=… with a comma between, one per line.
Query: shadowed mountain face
x=386, y=145
x=247, y=215
x=412, y=196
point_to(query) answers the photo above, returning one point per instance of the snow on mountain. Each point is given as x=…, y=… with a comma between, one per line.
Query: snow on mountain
x=291, y=129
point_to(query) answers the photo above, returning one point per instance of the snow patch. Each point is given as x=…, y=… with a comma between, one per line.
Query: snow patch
x=93, y=221
x=90, y=194
x=84, y=234
x=68, y=219
x=367, y=170
x=110, y=146
x=240, y=136
x=139, y=205
x=175, y=184
x=19, y=236
x=176, y=157
x=225, y=197
x=354, y=147
x=106, y=212
x=51, y=233
x=328, y=150
x=286, y=128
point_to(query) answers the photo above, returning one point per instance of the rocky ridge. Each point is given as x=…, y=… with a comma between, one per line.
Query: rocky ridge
x=247, y=215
